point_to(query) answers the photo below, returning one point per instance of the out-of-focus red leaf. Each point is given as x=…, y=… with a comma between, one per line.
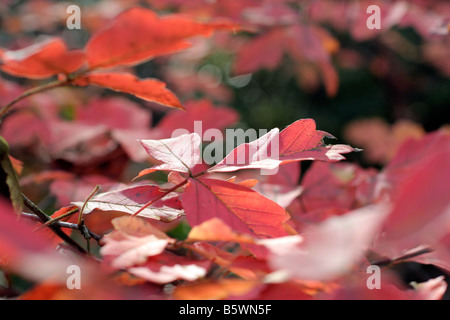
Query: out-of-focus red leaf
x=329, y=249
x=188, y=84
x=421, y=210
x=9, y=91
x=168, y=267
x=281, y=291
x=283, y=195
x=379, y=140
x=213, y=253
x=132, y=242
x=68, y=188
x=114, y=112
x=68, y=138
x=179, y=154
x=265, y=51
x=131, y=199
x=333, y=189
x=96, y=284
x=46, y=175
x=242, y=209
x=147, y=89
x=22, y=247
x=214, y=290
x=305, y=43
x=422, y=200
x=17, y=237
x=36, y=130
x=201, y=110
x=216, y=230
x=128, y=140
x=42, y=60
x=138, y=34
x=411, y=155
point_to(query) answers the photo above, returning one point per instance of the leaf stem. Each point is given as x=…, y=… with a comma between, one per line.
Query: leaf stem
x=65, y=215
x=30, y=92
x=80, y=217
x=160, y=197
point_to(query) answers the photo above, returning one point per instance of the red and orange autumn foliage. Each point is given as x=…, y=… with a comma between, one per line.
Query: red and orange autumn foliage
x=248, y=235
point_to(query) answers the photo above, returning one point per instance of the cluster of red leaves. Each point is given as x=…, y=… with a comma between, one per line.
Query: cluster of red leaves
x=251, y=236
x=135, y=36
x=295, y=29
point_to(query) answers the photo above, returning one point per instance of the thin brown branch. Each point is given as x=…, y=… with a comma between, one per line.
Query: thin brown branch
x=62, y=224
x=56, y=229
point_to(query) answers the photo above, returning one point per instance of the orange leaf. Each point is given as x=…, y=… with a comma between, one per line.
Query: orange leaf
x=42, y=60
x=214, y=290
x=147, y=89
x=138, y=34
x=216, y=230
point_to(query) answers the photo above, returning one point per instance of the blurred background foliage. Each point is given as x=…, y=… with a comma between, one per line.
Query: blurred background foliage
x=392, y=83
x=385, y=76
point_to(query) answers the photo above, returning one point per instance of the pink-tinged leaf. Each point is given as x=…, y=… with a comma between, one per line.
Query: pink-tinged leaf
x=283, y=195
x=168, y=267
x=17, y=238
x=299, y=141
x=421, y=208
x=379, y=140
x=147, y=89
x=138, y=34
x=241, y=208
x=334, y=189
x=35, y=132
x=132, y=242
x=259, y=154
x=114, y=113
x=175, y=178
x=189, y=84
x=130, y=200
x=24, y=251
x=211, y=117
x=179, y=154
x=67, y=188
x=265, y=51
x=411, y=155
x=42, y=60
x=213, y=253
x=329, y=249
x=288, y=175
x=127, y=138
x=312, y=43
